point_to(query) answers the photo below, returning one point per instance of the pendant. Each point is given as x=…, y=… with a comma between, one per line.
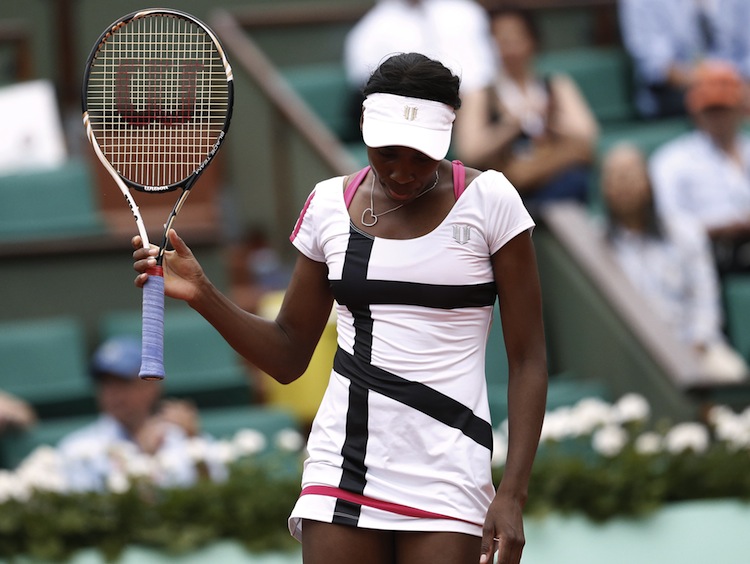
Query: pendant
x=372, y=218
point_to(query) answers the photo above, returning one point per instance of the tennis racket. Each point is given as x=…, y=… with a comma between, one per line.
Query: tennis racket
x=157, y=101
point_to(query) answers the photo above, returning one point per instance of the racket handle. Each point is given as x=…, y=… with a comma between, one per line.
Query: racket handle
x=152, y=351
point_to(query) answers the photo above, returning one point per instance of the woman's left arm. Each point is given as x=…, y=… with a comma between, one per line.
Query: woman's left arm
x=520, y=299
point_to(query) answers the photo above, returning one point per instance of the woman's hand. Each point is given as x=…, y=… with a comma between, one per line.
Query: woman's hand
x=503, y=531
x=183, y=275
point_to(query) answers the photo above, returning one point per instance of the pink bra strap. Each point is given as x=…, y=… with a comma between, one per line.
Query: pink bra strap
x=459, y=178
x=351, y=188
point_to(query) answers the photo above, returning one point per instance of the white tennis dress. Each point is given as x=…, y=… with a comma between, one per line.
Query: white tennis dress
x=403, y=439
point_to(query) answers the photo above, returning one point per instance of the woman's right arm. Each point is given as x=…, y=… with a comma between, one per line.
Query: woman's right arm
x=281, y=347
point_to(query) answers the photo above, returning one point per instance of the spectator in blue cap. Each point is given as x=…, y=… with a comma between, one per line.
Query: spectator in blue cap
x=136, y=433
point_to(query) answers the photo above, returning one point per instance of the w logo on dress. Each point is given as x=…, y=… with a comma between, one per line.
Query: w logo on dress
x=410, y=113
x=461, y=233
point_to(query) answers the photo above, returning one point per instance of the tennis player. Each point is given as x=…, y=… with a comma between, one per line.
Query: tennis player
x=412, y=251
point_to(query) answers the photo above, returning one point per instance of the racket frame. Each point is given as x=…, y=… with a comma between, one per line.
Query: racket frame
x=154, y=288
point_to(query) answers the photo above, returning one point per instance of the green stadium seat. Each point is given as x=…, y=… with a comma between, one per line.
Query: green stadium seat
x=44, y=361
x=565, y=390
x=648, y=135
x=324, y=88
x=199, y=364
x=737, y=305
x=603, y=75
x=47, y=203
x=224, y=422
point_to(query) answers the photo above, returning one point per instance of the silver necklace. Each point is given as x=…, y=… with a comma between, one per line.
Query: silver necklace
x=370, y=212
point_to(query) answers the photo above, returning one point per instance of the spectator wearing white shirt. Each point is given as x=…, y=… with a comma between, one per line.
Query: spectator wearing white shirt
x=705, y=174
x=668, y=39
x=134, y=428
x=455, y=32
x=668, y=260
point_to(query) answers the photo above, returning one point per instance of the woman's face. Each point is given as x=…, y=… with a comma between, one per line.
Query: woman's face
x=625, y=182
x=514, y=40
x=402, y=172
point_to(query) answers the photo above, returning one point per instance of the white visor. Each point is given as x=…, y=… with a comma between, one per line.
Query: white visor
x=392, y=120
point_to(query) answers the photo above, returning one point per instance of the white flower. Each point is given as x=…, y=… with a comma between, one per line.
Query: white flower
x=42, y=470
x=632, y=407
x=648, y=443
x=609, y=440
x=687, y=436
x=140, y=466
x=169, y=464
x=720, y=414
x=197, y=449
x=249, y=442
x=589, y=414
x=117, y=482
x=290, y=440
x=8, y=486
x=730, y=427
x=557, y=425
x=734, y=432
x=223, y=452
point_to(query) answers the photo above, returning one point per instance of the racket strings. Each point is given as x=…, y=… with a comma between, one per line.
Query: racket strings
x=158, y=99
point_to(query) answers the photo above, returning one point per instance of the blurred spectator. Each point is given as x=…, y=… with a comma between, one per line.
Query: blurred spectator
x=705, y=174
x=537, y=130
x=667, y=39
x=668, y=259
x=133, y=423
x=15, y=413
x=256, y=268
x=456, y=32
x=257, y=271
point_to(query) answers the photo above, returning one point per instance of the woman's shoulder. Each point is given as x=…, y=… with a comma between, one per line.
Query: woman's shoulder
x=486, y=177
x=490, y=184
x=330, y=188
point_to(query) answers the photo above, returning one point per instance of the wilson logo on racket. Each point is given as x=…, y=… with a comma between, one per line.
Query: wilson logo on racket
x=152, y=77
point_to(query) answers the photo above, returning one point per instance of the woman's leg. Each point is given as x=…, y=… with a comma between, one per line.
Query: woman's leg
x=437, y=548
x=326, y=543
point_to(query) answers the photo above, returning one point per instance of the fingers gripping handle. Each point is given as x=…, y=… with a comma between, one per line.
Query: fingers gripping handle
x=152, y=351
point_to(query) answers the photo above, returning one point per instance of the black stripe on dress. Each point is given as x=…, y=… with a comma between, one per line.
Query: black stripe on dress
x=415, y=395
x=354, y=470
x=439, y=296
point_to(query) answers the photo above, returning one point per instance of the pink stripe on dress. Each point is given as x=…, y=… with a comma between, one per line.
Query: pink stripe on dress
x=396, y=508
x=298, y=225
